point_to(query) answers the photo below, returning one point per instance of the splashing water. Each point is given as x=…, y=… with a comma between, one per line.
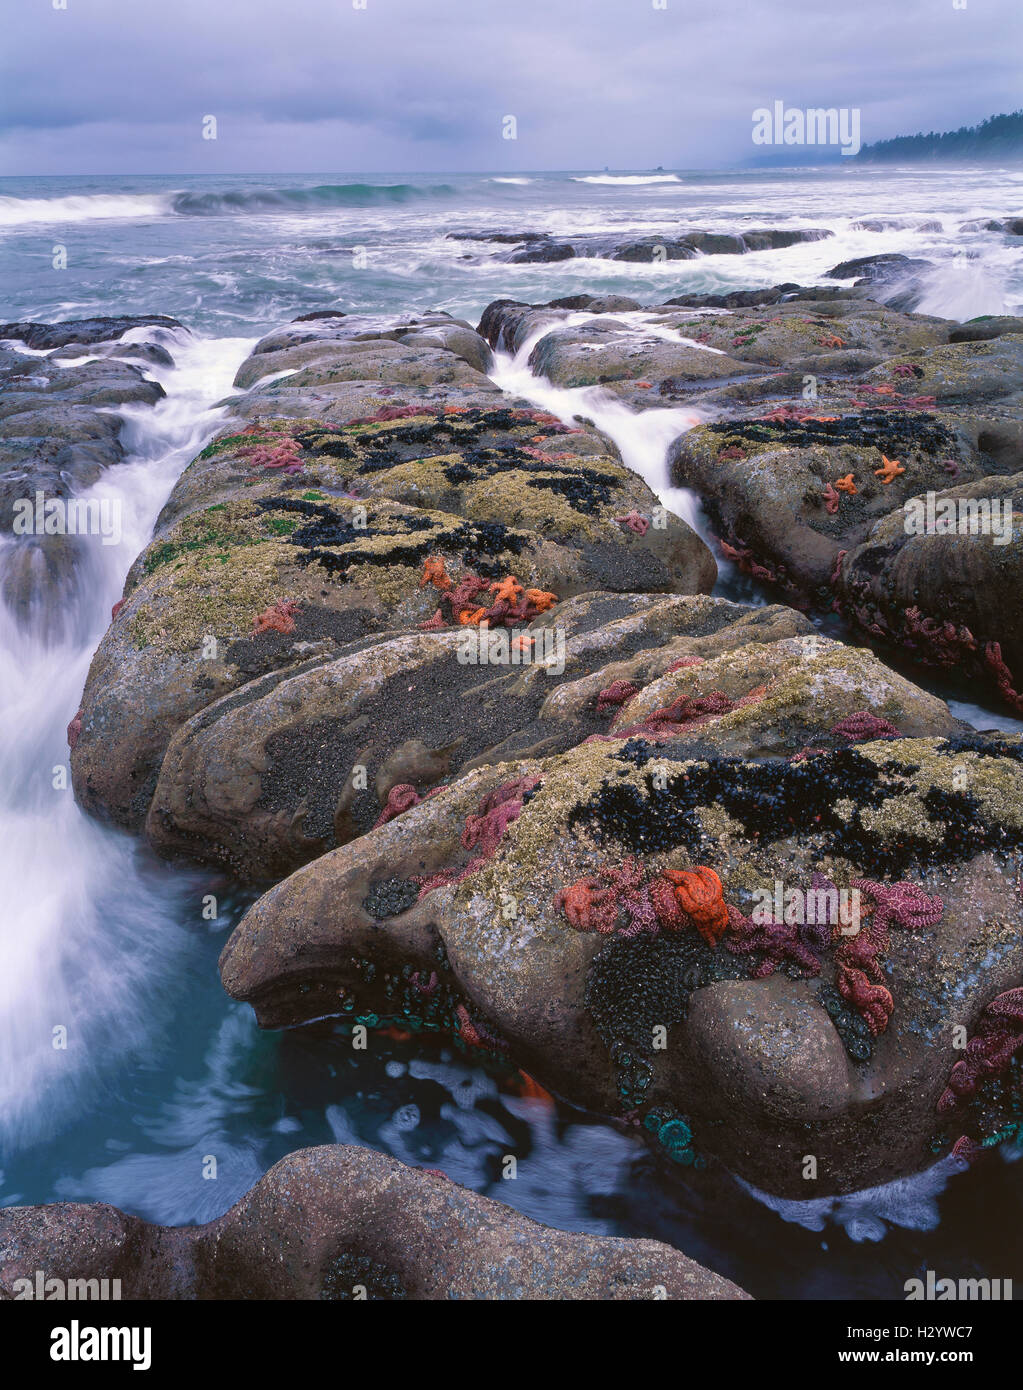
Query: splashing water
x=90, y=920
x=642, y=437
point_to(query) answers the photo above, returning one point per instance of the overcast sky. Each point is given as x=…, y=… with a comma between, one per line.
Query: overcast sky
x=122, y=86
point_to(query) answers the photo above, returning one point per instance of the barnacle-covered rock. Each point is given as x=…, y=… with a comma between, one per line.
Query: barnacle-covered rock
x=804, y=687
x=770, y=481
x=294, y=763
x=941, y=578
x=767, y=1068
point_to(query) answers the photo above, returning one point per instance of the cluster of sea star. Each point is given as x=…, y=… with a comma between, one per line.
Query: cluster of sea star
x=672, y=900
x=888, y=472
x=283, y=455
x=999, y=1035
x=625, y=902
x=483, y=831
x=511, y=603
x=934, y=641
x=886, y=397
x=684, y=712
x=744, y=558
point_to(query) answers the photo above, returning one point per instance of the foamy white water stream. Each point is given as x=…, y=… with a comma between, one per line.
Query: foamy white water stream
x=89, y=923
x=642, y=437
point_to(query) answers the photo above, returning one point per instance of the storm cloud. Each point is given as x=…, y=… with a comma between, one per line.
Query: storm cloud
x=119, y=86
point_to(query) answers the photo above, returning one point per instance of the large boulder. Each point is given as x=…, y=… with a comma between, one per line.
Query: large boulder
x=342, y=1224
x=791, y=487
x=294, y=764
x=762, y=1048
x=941, y=578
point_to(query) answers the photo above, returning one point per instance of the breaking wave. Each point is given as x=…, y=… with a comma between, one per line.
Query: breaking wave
x=84, y=207
x=87, y=207
x=326, y=195
x=627, y=178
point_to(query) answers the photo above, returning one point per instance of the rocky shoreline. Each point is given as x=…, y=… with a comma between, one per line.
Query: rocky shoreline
x=438, y=672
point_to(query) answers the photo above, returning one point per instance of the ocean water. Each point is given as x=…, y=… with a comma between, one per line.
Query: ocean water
x=161, y=1070
x=235, y=256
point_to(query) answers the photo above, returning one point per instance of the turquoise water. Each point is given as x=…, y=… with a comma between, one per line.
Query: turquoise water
x=164, y=1070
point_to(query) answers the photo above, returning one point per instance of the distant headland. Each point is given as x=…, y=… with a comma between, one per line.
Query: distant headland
x=997, y=138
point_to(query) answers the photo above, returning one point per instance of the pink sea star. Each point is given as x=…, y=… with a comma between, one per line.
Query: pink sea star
x=863, y=727
x=635, y=522
x=998, y=1036
x=778, y=942
x=615, y=695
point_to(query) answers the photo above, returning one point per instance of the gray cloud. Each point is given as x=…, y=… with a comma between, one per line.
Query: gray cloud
x=120, y=86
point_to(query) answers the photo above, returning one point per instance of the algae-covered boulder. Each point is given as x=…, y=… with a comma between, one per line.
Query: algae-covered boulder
x=560, y=911
x=941, y=577
x=791, y=487
x=340, y=1223
x=250, y=586
x=503, y=466
x=292, y=765
x=967, y=372
x=780, y=334
x=786, y=695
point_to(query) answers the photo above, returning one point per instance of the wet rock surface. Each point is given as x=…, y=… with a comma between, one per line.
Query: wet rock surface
x=60, y=430
x=538, y=248
x=344, y=1224
x=578, y=999
x=440, y=668
x=295, y=535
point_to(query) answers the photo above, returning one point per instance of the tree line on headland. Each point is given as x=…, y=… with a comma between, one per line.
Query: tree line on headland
x=999, y=137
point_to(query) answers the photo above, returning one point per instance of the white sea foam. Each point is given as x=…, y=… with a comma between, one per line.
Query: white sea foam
x=90, y=922
x=83, y=207
x=911, y=1203
x=626, y=178
x=641, y=436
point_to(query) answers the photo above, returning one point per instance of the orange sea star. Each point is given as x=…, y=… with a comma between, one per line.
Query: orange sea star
x=279, y=617
x=890, y=471
x=540, y=599
x=507, y=590
x=434, y=573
